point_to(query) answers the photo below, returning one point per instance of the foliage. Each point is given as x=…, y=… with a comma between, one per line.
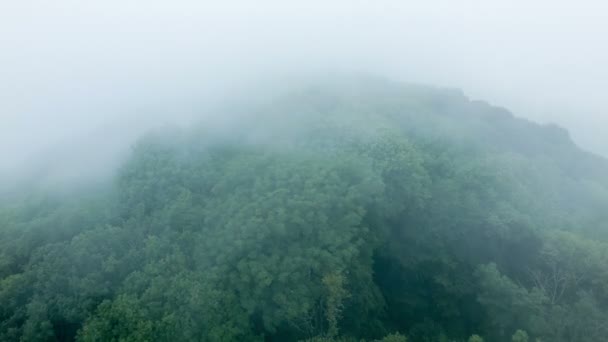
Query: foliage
x=341, y=212
x=475, y=338
x=520, y=336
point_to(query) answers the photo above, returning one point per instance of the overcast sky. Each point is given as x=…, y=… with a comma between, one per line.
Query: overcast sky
x=72, y=67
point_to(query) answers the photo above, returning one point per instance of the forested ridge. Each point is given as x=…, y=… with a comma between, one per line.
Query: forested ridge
x=350, y=210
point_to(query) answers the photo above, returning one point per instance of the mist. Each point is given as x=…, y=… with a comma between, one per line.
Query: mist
x=314, y=171
x=93, y=76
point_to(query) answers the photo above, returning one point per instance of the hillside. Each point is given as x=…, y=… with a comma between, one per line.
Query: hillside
x=338, y=211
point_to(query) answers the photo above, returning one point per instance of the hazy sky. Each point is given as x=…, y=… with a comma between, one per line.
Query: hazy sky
x=72, y=67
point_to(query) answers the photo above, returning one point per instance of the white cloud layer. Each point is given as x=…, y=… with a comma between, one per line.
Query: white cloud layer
x=71, y=67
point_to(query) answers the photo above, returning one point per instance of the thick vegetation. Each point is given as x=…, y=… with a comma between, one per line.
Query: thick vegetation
x=350, y=211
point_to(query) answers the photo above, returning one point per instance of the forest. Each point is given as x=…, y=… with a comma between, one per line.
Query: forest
x=344, y=210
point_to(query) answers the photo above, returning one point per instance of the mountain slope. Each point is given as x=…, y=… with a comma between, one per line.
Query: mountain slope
x=343, y=209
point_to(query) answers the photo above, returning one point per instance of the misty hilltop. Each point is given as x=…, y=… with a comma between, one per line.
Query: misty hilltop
x=347, y=209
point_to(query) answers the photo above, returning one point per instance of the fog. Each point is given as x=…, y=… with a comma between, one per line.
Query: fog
x=80, y=76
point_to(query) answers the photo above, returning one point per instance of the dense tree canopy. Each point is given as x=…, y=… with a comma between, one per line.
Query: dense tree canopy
x=348, y=210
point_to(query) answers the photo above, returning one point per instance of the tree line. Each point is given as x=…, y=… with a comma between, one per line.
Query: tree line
x=342, y=211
